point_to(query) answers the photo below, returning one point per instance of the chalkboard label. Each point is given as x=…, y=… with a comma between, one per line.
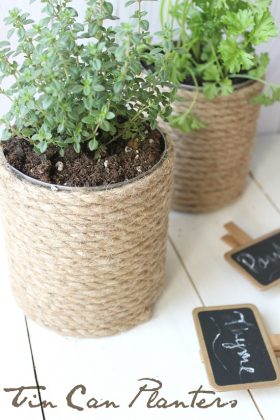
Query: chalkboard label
x=235, y=347
x=259, y=260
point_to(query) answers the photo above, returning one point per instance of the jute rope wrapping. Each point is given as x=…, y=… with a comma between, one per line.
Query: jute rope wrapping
x=211, y=165
x=87, y=263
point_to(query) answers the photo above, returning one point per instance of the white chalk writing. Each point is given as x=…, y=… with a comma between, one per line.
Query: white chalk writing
x=237, y=326
x=260, y=264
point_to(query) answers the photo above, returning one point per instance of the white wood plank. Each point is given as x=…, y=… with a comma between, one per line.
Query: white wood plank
x=15, y=358
x=197, y=239
x=165, y=348
x=266, y=166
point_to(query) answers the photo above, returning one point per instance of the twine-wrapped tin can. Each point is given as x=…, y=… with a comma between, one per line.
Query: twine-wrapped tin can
x=212, y=164
x=87, y=261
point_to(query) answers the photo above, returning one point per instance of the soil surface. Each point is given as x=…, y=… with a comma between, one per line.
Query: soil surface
x=123, y=161
x=188, y=81
x=235, y=80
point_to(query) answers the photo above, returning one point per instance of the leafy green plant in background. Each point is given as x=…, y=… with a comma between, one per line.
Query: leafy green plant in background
x=80, y=83
x=215, y=44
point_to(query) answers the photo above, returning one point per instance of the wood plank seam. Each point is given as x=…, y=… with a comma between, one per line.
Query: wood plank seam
x=34, y=369
x=266, y=195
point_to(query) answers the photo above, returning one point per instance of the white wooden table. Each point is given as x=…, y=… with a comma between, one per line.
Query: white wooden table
x=166, y=348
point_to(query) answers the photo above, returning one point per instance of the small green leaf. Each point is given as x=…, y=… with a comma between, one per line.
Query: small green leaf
x=226, y=87
x=10, y=33
x=45, y=21
x=118, y=87
x=60, y=128
x=87, y=90
x=77, y=147
x=6, y=135
x=108, y=7
x=212, y=73
x=105, y=125
x=130, y=2
x=98, y=88
x=110, y=116
x=4, y=44
x=47, y=102
x=120, y=52
x=210, y=90
x=93, y=145
x=186, y=123
x=42, y=146
x=93, y=28
x=78, y=27
x=144, y=24
x=96, y=64
x=89, y=120
x=77, y=89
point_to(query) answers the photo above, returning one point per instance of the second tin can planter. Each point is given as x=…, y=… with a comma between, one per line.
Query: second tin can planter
x=212, y=164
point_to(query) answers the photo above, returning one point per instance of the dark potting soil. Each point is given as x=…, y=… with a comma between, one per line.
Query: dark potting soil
x=235, y=80
x=122, y=162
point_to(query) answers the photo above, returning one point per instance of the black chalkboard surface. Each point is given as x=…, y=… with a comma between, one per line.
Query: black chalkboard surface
x=260, y=260
x=235, y=347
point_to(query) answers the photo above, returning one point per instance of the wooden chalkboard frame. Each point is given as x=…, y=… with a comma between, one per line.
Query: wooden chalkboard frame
x=231, y=261
x=206, y=360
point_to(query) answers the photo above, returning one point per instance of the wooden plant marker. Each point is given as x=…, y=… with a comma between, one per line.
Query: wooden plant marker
x=235, y=347
x=275, y=342
x=258, y=260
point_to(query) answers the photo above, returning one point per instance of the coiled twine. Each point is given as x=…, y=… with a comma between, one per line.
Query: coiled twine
x=212, y=164
x=86, y=262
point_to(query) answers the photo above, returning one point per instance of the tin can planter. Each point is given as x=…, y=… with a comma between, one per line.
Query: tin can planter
x=87, y=261
x=212, y=164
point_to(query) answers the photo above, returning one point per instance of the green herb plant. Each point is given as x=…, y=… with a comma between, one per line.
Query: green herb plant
x=80, y=83
x=215, y=44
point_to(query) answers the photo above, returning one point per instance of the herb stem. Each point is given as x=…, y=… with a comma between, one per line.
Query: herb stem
x=189, y=110
x=256, y=79
x=217, y=61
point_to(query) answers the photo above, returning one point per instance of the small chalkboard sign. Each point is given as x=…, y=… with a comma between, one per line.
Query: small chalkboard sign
x=259, y=260
x=235, y=347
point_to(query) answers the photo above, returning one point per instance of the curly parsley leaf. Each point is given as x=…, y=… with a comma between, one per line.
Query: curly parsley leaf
x=234, y=57
x=264, y=28
x=237, y=23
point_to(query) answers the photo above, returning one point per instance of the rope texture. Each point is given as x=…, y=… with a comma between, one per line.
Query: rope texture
x=212, y=164
x=87, y=263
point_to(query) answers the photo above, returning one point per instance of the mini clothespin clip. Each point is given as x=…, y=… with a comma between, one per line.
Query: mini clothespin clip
x=236, y=236
x=275, y=341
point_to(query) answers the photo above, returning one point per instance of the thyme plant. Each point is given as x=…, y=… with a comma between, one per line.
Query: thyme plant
x=215, y=45
x=78, y=83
